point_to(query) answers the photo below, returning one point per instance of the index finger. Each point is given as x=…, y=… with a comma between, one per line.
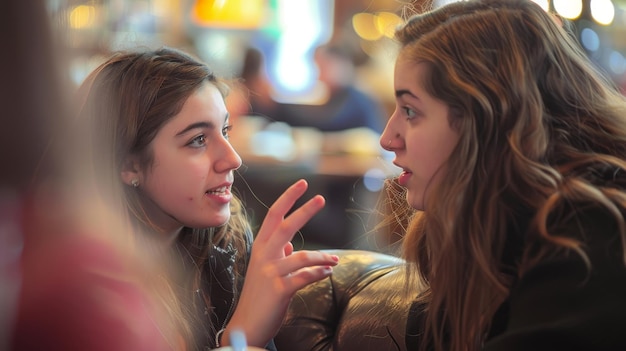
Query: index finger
x=276, y=213
x=288, y=227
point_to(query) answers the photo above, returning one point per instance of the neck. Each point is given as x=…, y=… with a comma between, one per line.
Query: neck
x=164, y=236
x=169, y=237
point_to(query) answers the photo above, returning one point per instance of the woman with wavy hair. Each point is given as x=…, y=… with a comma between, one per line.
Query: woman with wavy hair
x=513, y=155
x=161, y=156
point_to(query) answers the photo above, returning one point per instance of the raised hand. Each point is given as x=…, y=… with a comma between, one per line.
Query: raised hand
x=275, y=273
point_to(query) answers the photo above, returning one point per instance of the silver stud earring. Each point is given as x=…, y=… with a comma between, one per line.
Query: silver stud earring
x=135, y=183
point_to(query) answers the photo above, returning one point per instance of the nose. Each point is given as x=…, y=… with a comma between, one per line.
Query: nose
x=229, y=159
x=389, y=137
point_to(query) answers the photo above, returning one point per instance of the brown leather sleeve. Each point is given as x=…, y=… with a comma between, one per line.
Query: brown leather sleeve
x=362, y=306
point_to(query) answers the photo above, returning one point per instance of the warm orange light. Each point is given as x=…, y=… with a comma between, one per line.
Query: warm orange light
x=240, y=14
x=387, y=23
x=82, y=16
x=364, y=25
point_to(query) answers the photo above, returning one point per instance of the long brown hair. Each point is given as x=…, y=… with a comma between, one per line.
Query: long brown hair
x=125, y=102
x=536, y=120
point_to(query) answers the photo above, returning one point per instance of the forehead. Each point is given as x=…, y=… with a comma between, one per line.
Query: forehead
x=205, y=104
x=207, y=93
x=207, y=100
x=409, y=74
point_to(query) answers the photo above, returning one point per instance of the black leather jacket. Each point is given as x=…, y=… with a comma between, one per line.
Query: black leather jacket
x=223, y=285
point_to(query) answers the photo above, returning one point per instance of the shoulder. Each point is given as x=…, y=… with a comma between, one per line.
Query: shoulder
x=81, y=293
x=563, y=301
x=570, y=290
x=582, y=239
x=596, y=228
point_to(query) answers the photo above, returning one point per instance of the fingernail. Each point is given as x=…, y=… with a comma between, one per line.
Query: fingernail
x=335, y=258
x=328, y=270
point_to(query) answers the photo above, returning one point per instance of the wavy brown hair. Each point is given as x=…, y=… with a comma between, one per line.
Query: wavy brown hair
x=537, y=123
x=125, y=102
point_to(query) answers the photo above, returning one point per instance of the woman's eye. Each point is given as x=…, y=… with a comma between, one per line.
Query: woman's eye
x=198, y=141
x=226, y=130
x=410, y=113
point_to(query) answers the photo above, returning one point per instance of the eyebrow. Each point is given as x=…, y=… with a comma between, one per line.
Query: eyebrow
x=400, y=93
x=199, y=125
x=196, y=125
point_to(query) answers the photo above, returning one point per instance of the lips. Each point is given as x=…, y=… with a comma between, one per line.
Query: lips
x=220, y=194
x=403, y=178
x=223, y=190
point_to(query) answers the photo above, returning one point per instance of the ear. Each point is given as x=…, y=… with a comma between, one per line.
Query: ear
x=131, y=171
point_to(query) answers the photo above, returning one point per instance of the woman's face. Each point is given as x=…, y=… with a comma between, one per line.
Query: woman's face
x=418, y=132
x=189, y=182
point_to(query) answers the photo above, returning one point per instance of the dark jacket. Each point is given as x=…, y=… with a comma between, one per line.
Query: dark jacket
x=223, y=287
x=560, y=304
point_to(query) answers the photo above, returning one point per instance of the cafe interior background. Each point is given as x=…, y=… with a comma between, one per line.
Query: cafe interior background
x=347, y=167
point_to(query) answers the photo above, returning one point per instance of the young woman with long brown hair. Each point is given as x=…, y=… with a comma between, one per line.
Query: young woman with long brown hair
x=160, y=152
x=513, y=154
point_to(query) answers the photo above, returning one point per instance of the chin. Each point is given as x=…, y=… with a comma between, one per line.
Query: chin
x=417, y=202
x=219, y=221
x=216, y=220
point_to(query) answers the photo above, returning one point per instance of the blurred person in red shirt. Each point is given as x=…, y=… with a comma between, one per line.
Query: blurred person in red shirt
x=68, y=279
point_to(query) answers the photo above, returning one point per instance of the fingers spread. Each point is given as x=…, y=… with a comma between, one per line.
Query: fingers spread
x=280, y=208
x=286, y=229
x=277, y=230
x=288, y=249
x=303, y=277
x=303, y=259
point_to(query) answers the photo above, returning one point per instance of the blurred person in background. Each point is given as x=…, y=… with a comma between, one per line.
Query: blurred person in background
x=160, y=143
x=342, y=105
x=513, y=154
x=68, y=279
x=253, y=95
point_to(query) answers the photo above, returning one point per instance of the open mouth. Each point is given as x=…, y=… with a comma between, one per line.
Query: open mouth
x=403, y=178
x=223, y=190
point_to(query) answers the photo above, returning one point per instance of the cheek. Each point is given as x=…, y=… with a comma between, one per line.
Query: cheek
x=183, y=168
x=426, y=154
x=162, y=184
x=172, y=175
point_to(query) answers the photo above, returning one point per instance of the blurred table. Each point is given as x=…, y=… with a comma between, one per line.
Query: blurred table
x=347, y=168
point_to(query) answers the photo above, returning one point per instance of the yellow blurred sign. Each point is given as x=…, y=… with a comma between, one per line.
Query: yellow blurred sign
x=237, y=14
